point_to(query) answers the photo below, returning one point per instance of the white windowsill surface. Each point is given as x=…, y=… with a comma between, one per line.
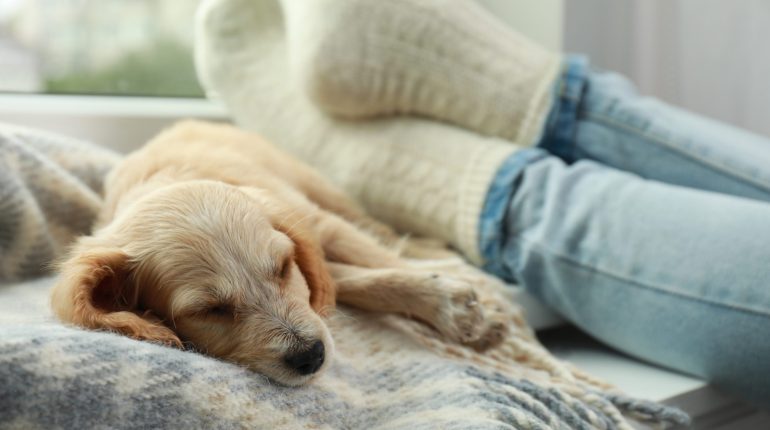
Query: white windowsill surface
x=637, y=378
x=119, y=123
x=99, y=106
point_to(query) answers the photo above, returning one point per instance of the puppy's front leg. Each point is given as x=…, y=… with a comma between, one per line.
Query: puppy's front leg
x=343, y=243
x=448, y=304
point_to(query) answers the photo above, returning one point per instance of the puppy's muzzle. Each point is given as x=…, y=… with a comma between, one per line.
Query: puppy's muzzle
x=307, y=361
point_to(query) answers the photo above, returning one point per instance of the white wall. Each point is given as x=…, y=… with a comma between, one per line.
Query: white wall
x=539, y=19
x=709, y=56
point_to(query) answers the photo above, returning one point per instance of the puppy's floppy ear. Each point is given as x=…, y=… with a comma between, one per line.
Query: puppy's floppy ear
x=94, y=291
x=310, y=258
x=308, y=253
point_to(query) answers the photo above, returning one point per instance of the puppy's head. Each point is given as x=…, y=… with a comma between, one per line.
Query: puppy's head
x=206, y=263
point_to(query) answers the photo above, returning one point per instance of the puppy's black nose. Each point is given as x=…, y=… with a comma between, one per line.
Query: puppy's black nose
x=307, y=361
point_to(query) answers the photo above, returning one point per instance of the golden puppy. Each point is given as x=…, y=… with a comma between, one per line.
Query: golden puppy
x=211, y=236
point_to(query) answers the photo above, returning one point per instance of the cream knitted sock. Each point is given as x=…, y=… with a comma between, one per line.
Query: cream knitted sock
x=446, y=59
x=419, y=175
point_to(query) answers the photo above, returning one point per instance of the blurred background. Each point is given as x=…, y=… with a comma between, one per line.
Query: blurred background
x=128, y=47
x=708, y=56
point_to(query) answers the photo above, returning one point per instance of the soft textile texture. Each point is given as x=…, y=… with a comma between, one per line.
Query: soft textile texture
x=421, y=176
x=388, y=372
x=383, y=376
x=49, y=194
x=449, y=60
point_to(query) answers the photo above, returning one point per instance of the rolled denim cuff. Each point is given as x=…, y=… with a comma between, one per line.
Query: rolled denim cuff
x=492, y=223
x=561, y=126
x=557, y=139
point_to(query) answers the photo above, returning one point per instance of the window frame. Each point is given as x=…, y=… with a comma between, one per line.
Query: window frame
x=122, y=123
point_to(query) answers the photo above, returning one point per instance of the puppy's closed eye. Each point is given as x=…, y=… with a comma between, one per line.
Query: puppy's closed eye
x=220, y=311
x=213, y=311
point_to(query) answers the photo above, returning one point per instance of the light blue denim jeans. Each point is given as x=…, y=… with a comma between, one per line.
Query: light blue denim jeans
x=646, y=226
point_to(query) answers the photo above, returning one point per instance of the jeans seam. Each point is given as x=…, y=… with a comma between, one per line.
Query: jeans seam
x=637, y=284
x=665, y=143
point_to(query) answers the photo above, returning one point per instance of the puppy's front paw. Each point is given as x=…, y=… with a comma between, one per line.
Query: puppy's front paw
x=458, y=313
x=496, y=327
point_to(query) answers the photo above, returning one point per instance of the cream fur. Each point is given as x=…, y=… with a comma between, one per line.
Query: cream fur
x=213, y=237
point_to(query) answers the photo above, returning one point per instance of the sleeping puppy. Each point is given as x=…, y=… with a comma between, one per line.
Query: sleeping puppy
x=212, y=237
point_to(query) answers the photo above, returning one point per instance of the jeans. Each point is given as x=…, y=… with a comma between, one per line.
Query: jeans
x=646, y=226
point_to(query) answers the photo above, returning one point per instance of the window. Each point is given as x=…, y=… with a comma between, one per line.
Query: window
x=98, y=47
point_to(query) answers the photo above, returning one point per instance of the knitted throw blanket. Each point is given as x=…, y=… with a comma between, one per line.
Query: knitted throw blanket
x=49, y=194
x=388, y=372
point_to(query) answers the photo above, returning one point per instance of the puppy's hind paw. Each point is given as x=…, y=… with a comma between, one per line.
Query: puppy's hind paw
x=459, y=315
x=493, y=334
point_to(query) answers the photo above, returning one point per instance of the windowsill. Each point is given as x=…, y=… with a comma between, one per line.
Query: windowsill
x=119, y=123
x=637, y=378
x=99, y=106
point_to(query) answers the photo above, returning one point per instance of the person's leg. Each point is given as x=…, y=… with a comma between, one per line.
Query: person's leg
x=601, y=117
x=673, y=275
x=452, y=61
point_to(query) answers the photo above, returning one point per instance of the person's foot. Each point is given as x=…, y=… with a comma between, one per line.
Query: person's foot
x=449, y=60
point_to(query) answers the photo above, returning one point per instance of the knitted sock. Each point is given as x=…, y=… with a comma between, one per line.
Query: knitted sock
x=420, y=176
x=448, y=60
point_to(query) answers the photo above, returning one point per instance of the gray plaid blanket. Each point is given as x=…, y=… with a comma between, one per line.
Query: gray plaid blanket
x=388, y=373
